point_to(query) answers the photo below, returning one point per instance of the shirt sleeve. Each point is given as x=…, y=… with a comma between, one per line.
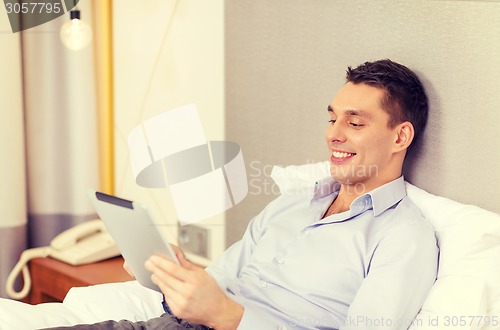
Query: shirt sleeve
x=400, y=275
x=253, y=319
x=230, y=263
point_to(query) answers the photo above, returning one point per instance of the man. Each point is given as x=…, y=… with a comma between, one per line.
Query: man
x=358, y=255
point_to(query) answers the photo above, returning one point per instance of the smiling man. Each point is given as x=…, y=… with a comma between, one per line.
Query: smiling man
x=370, y=130
x=357, y=255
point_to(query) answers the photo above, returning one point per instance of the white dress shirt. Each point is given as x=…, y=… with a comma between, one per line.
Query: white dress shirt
x=370, y=267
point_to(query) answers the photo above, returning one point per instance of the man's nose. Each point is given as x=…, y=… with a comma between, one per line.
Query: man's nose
x=335, y=133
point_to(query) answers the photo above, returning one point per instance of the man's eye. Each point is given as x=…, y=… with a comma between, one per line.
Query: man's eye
x=355, y=124
x=332, y=121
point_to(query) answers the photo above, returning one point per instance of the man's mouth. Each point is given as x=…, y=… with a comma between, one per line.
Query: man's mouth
x=342, y=154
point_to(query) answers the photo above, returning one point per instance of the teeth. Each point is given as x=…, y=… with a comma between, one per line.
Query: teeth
x=338, y=154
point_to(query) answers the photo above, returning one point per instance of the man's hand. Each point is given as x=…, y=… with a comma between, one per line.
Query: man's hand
x=178, y=253
x=192, y=294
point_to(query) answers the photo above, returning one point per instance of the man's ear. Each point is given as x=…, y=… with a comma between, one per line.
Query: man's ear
x=404, y=136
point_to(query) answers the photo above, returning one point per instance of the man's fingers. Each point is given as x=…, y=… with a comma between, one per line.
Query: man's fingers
x=167, y=284
x=167, y=272
x=185, y=262
x=166, y=265
x=181, y=257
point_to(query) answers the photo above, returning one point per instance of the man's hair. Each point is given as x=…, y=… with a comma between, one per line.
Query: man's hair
x=405, y=98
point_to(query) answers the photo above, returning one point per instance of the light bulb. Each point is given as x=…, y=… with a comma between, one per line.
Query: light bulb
x=75, y=34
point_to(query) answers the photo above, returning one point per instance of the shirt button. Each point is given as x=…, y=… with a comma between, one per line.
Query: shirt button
x=308, y=232
x=263, y=284
x=281, y=261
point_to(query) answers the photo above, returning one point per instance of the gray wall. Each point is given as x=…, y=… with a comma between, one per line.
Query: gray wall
x=285, y=61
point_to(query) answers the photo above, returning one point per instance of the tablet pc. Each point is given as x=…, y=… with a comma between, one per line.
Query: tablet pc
x=134, y=232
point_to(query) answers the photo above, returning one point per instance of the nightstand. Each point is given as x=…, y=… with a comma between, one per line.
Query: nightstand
x=51, y=279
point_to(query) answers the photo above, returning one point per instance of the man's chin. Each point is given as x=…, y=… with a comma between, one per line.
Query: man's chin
x=342, y=173
x=356, y=186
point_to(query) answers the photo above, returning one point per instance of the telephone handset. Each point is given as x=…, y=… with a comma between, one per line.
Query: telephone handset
x=84, y=243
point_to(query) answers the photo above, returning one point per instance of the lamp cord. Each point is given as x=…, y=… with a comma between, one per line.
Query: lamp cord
x=157, y=60
x=162, y=46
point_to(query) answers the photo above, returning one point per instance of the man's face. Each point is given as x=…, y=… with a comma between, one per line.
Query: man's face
x=359, y=139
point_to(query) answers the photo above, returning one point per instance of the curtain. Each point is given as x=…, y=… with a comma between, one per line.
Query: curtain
x=12, y=159
x=61, y=139
x=52, y=133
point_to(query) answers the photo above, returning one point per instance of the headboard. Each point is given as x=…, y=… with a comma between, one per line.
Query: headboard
x=285, y=63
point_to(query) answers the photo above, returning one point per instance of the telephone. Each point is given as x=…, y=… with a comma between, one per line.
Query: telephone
x=84, y=243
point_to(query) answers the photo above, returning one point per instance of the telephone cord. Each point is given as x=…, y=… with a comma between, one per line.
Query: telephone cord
x=22, y=265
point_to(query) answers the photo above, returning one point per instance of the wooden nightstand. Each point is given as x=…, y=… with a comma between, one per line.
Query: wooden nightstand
x=51, y=279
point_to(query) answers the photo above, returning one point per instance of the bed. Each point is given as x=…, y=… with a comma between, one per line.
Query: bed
x=466, y=294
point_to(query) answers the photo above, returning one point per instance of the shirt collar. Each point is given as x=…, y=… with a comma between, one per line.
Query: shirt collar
x=388, y=195
x=380, y=199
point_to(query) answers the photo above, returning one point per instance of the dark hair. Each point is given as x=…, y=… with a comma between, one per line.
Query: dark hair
x=405, y=98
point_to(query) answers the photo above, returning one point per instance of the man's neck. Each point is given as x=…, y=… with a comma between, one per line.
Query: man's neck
x=343, y=200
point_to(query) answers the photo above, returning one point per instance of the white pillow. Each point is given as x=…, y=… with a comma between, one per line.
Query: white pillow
x=466, y=294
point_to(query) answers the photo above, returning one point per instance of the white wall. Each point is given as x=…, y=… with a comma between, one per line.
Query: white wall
x=167, y=54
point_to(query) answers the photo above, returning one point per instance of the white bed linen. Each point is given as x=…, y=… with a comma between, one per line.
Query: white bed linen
x=115, y=301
